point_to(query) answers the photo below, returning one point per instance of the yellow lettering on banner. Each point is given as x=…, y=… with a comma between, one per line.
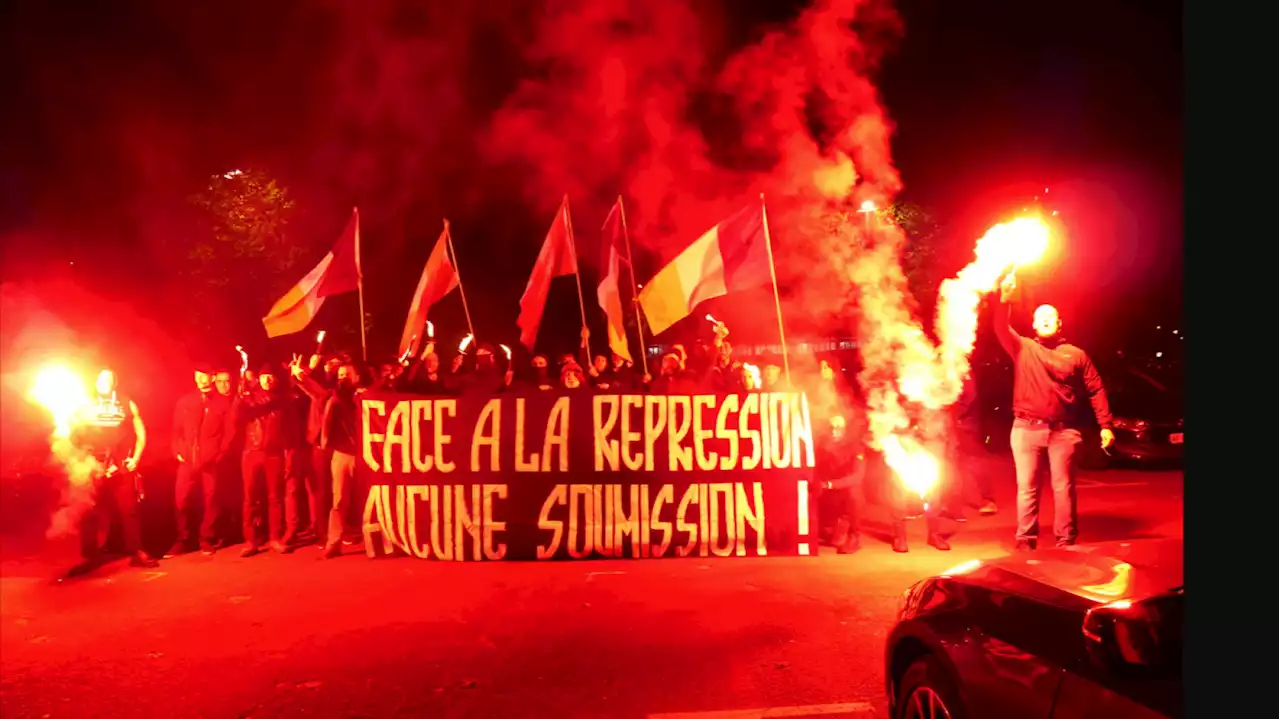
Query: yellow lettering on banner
x=655, y=422
x=523, y=464
x=604, y=518
x=600, y=539
x=493, y=552
x=644, y=521
x=606, y=449
x=749, y=513
x=372, y=521
x=666, y=495
x=707, y=459
x=442, y=408
x=420, y=413
x=486, y=434
x=466, y=522
x=750, y=406
x=580, y=505
x=417, y=493
x=766, y=430
x=683, y=525
x=385, y=518
x=367, y=408
x=557, y=435
x=442, y=522
x=721, y=496
x=724, y=433
x=402, y=515
x=630, y=437
x=558, y=497
x=780, y=424
x=397, y=439
x=626, y=523
x=703, y=502
x=801, y=432
x=679, y=457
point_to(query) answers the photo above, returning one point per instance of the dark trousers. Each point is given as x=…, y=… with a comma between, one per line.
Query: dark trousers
x=191, y=483
x=963, y=481
x=261, y=471
x=319, y=491
x=111, y=495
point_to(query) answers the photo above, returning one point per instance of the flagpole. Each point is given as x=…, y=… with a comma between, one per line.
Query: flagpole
x=364, y=343
x=773, y=275
x=577, y=276
x=635, y=303
x=453, y=256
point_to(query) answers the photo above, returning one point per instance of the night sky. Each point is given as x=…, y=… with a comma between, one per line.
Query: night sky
x=122, y=109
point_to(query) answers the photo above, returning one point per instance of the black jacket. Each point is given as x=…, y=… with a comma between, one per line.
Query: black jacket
x=203, y=428
x=1049, y=376
x=269, y=420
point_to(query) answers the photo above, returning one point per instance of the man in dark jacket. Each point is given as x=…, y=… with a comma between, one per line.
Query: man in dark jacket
x=1049, y=375
x=841, y=460
x=264, y=413
x=319, y=478
x=340, y=436
x=203, y=426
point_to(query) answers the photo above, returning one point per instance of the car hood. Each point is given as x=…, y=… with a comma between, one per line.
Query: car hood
x=1101, y=573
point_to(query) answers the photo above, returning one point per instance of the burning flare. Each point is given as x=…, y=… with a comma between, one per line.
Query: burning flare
x=63, y=394
x=466, y=342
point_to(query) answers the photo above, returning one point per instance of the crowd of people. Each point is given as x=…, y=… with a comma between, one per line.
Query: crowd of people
x=289, y=433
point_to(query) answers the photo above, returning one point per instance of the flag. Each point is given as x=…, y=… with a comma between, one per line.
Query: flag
x=556, y=259
x=730, y=257
x=439, y=278
x=608, y=294
x=337, y=273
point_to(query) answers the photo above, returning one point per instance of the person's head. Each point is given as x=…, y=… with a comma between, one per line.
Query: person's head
x=600, y=362
x=204, y=378
x=222, y=382
x=106, y=383
x=484, y=356
x=539, y=363
x=670, y=363
x=838, y=427
x=571, y=376
x=1046, y=321
x=250, y=376
x=432, y=362
x=772, y=373
x=348, y=376
x=266, y=378
x=331, y=365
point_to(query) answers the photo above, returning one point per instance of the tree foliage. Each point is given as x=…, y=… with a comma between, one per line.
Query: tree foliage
x=240, y=253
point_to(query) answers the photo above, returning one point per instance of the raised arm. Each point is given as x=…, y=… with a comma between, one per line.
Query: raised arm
x=1009, y=339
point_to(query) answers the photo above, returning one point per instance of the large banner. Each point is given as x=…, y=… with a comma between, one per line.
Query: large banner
x=544, y=476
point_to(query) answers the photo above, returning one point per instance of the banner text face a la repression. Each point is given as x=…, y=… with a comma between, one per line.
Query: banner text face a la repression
x=540, y=476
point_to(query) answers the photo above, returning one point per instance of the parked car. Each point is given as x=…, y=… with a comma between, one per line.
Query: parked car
x=1086, y=631
x=1147, y=416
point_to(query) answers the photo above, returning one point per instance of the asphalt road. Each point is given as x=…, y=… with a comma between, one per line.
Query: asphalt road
x=289, y=636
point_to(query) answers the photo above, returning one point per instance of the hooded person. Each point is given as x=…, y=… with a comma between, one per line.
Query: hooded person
x=539, y=377
x=572, y=377
x=486, y=377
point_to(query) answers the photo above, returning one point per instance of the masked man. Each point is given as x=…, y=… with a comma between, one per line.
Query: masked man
x=112, y=433
x=203, y=427
x=1049, y=374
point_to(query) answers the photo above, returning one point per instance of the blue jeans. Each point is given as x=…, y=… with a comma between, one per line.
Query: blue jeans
x=1030, y=442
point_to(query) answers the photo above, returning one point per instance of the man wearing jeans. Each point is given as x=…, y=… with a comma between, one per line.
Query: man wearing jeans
x=340, y=435
x=1048, y=375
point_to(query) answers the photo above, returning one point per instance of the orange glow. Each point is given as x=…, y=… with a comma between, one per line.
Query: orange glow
x=914, y=465
x=963, y=568
x=63, y=394
x=836, y=180
x=752, y=374
x=465, y=343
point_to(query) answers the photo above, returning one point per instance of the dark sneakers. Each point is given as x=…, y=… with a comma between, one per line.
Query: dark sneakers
x=177, y=550
x=988, y=508
x=1025, y=545
x=143, y=560
x=938, y=542
x=852, y=543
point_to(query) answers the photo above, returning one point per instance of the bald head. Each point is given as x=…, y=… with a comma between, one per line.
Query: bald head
x=1046, y=321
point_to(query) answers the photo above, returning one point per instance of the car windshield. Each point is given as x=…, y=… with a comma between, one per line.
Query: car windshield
x=1137, y=395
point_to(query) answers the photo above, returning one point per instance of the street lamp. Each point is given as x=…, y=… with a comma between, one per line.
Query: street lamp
x=867, y=209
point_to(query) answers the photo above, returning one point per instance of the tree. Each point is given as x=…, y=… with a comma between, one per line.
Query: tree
x=920, y=254
x=240, y=254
